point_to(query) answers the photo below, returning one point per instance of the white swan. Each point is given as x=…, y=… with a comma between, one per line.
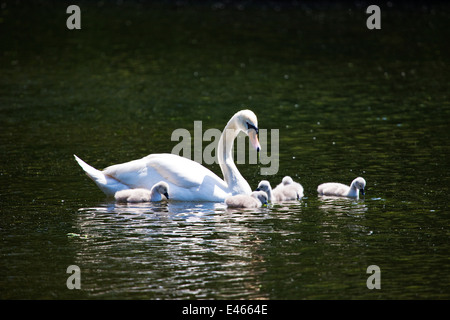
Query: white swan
x=187, y=179
x=255, y=200
x=342, y=190
x=144, y=195
x=286, y=190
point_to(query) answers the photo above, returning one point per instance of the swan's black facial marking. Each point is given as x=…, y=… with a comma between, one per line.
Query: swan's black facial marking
x=250, y=126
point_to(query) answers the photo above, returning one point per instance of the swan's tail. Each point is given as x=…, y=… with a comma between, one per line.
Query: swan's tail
x=107, y=184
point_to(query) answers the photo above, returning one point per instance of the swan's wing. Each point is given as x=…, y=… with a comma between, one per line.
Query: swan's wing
x=188, y=180
x=133, y=195
x=106, y=183
x=292, y=192
x=298, y=188
x=277, y=194
x=241, y=201
x=279, y=186
x=333, y=189
x=149, y=170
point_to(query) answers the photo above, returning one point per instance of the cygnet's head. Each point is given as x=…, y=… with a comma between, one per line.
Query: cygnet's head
x=287, y=180
x=265, y=186
x=261, y=196
x=162, y=188
x=359, y=183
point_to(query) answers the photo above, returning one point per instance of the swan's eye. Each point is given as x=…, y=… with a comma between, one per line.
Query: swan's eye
x=250, y=126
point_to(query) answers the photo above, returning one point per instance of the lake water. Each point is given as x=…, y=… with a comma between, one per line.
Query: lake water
x=347, y=102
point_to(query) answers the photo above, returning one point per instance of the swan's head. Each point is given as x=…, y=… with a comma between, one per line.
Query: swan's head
x=359, y=183
x=246, y=121
x=265, y=186
x=261, y=196
x=162, y=188
x=287, y=180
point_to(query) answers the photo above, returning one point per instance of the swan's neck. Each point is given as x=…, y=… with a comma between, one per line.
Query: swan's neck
x=155, y=195
x=269, y=194
x=353, y=191
x=232, y=177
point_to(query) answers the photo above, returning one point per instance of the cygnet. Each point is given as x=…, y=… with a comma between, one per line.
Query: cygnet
x=265, y=186
x=342, y=190
x=144, y=195
x=288, y=189
x=255, y=200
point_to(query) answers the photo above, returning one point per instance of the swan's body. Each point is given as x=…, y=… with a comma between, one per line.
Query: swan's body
x=342, y=190
x=255, y=200
x=288, y=189
x=187, y=179
x=144, y=195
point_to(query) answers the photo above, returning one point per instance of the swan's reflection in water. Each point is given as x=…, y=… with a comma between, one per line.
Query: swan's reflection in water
x=349, y=216
x=202, y=250
x=342, y=205
x=172, y=249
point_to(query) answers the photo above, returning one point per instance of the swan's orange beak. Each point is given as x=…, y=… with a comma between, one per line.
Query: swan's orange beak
x=254, y=139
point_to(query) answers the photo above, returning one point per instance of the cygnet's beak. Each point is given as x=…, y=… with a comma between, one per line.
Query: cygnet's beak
x=362, y=191
x=254, y=139
x=166, y=195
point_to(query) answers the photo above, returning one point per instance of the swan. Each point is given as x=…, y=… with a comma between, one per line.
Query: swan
x=265, y=186
x=143, y=195
x=188, y=180
x=255, y=200
x=342, y=190
x=286, y=190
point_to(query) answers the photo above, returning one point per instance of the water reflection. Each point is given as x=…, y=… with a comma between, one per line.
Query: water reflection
x=342, y=205
x=346, y=223
x=173, y=207
x=170, y=250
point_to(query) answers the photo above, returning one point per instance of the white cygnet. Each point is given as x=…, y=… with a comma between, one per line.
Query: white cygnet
x=265, y=186
x=144, y=195
x=342, y=190
x=288, y=189
x=255, y=200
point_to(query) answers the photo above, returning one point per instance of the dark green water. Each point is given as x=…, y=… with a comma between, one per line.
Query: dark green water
x=347, y=102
